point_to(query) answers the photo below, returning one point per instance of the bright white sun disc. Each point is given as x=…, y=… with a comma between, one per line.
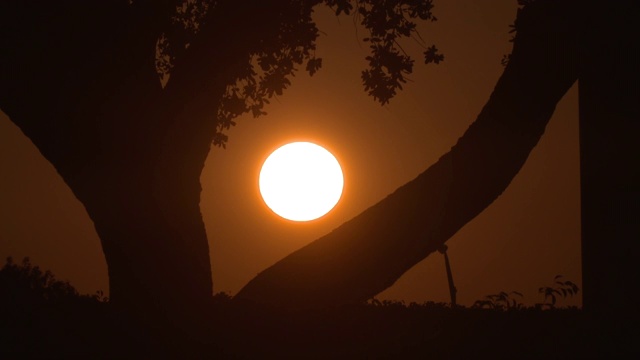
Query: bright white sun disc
x=301, y=181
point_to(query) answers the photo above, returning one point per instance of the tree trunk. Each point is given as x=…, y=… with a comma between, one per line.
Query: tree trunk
x=144, y=200
x=369, y=253
x=153, y=237
x=81, y=83
x=609, y=156
x=132, y=156
x=143, y=197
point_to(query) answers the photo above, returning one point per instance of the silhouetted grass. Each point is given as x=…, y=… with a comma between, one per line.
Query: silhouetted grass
x=45, y=318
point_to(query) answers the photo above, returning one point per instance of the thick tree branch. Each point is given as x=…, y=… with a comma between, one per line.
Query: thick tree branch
x=369, y=253
x=72, y=73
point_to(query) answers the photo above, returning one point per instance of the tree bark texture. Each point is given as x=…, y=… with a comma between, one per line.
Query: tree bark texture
x=369, y=253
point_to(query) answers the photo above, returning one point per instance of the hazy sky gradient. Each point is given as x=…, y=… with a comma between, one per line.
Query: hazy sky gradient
x=529, y=235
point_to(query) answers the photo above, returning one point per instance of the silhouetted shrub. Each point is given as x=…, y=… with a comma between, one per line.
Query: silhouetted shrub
x=507, y=301
x=47, y=318
x=559, y=289
x=221, y=297
x=26, y=283
x=499, y=301
x=43, y=317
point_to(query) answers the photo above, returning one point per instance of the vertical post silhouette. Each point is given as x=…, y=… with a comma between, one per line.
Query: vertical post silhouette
x=452, y=288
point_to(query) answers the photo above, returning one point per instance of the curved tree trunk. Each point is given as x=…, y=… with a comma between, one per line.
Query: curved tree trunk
x=369, y=253
x=80, y=82
x=130, y=151
x=145, y=208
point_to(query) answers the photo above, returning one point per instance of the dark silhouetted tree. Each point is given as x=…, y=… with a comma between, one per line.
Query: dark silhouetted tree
x=125, y=98
x=82, y=85
x=557, y=42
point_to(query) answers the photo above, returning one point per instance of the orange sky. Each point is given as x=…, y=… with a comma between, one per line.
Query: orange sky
x=530, y=234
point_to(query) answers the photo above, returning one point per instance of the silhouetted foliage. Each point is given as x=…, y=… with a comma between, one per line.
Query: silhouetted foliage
x=232, y=329
x=270, y=66
x=513, y=29
x=500, y=301
x=508, y=301
x=43, y=317
x=560, y=289
x=27, y=283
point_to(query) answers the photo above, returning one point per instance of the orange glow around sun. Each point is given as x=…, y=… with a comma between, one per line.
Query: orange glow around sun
x=301, y=181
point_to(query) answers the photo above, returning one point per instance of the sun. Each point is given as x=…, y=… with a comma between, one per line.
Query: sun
x=301, y=181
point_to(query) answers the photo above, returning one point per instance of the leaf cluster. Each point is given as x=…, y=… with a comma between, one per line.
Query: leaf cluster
x=560, y=289
x=387, y=23
x=269, y=67
x=507, y=301
x=513, y=28
x=499, y=301
x=185, y=19
x=385, y=303
x=290, y=44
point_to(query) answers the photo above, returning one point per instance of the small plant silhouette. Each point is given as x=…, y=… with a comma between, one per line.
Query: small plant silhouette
x=100, y=296
x=559, y=289
x=385, y=303
x=499, y=301
x=507, y=301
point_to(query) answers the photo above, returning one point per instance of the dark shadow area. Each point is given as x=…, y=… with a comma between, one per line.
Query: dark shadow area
x=46, y=318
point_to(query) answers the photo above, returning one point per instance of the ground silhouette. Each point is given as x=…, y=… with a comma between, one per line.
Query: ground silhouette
x=73, y=326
